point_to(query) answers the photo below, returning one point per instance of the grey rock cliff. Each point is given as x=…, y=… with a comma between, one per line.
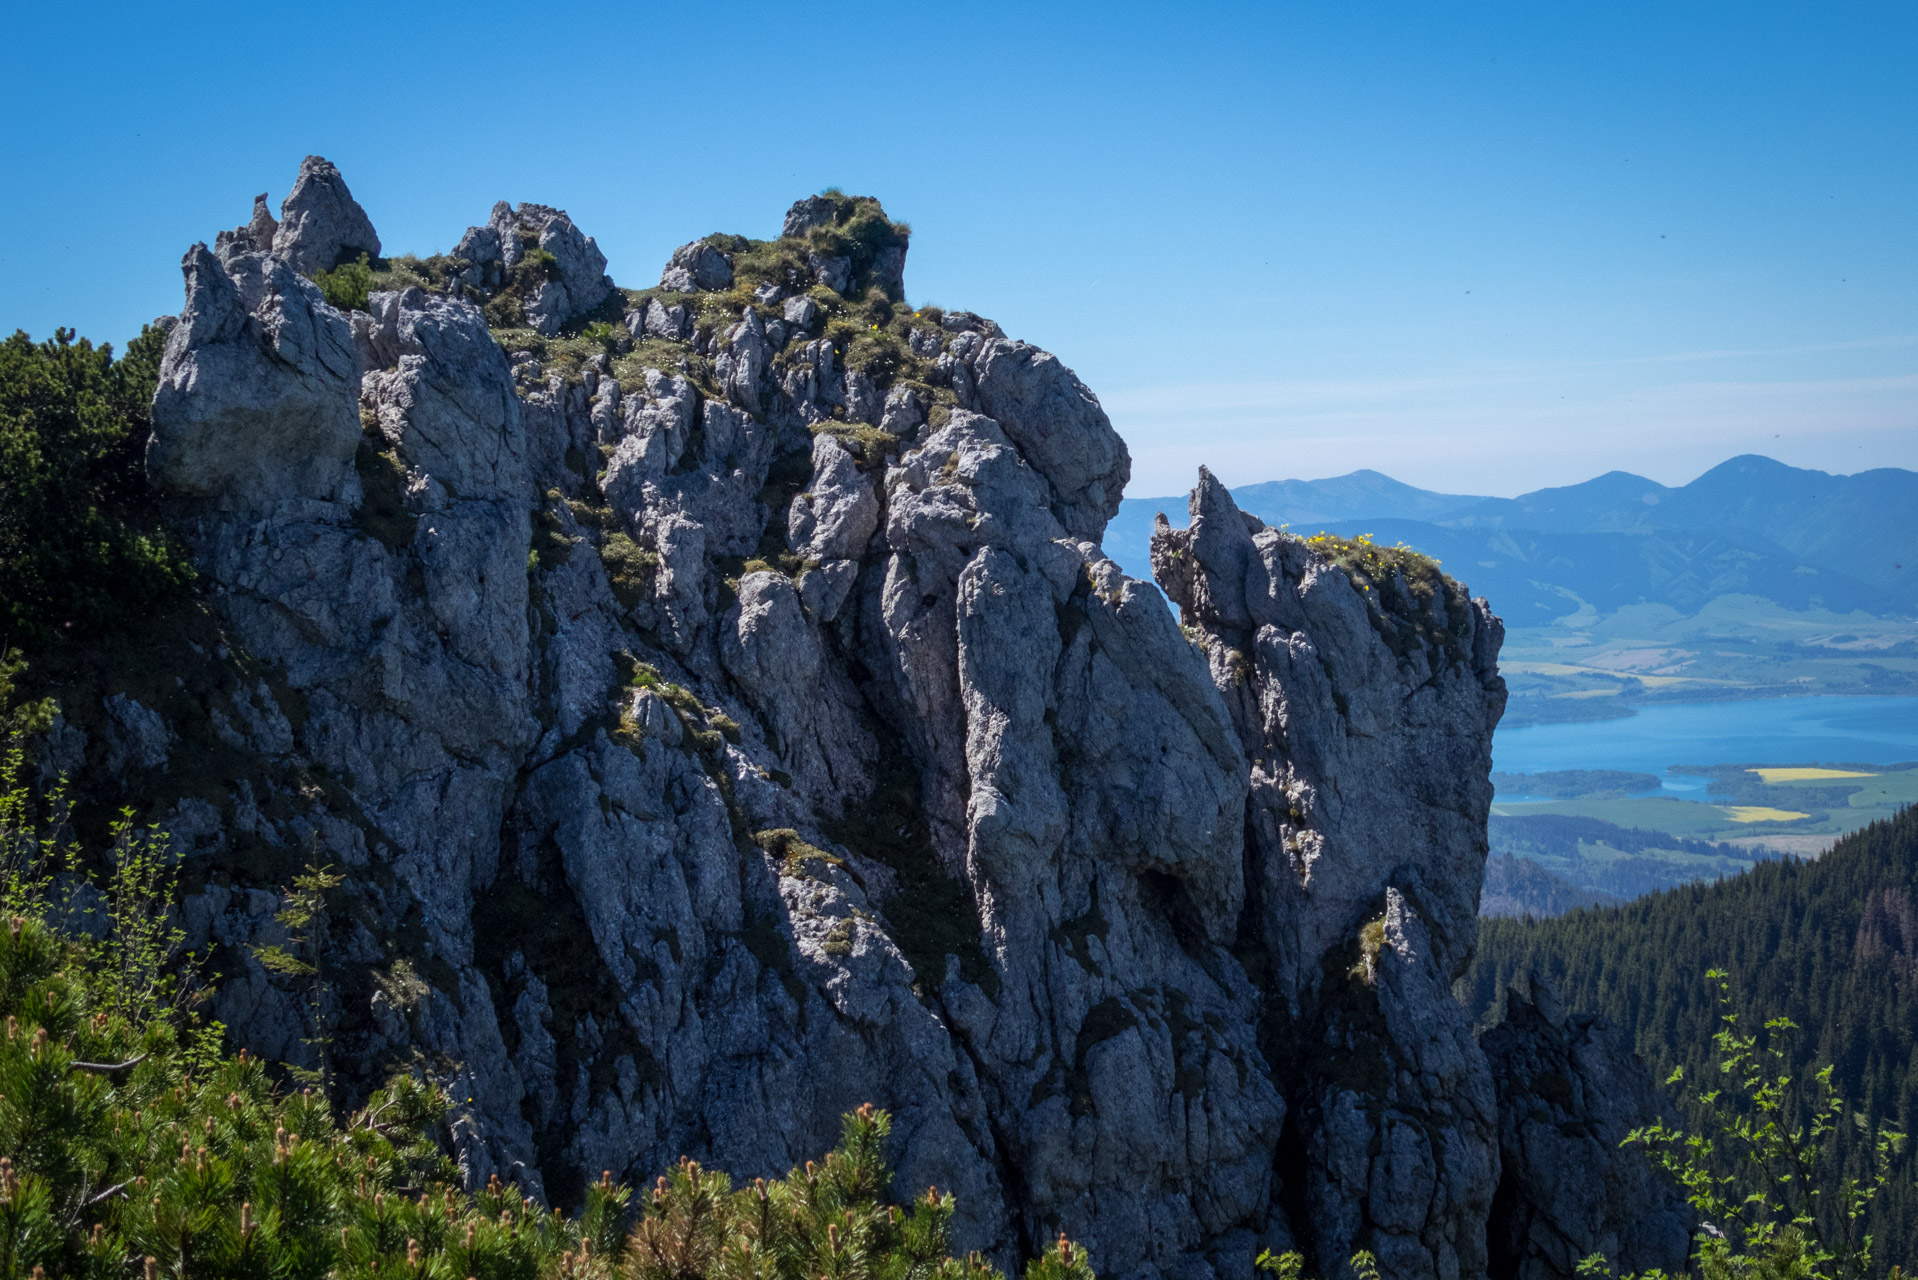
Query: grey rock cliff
x=1366, y=717
x=719, y=743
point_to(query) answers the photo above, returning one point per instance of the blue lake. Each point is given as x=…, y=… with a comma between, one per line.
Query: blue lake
x=1818, y=730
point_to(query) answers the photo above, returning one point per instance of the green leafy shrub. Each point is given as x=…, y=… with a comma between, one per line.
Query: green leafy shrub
x=606, y=333
x=1290, y=1265
x=81, y=544
x=302, y=914
x=1773, y=1203
x=347, y=285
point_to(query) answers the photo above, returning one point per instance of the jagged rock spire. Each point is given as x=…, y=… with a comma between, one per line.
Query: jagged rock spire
x=321, y=224
x=577, y=283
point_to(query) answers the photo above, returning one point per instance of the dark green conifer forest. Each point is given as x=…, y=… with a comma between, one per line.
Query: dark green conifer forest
x=1831, y=944
x=81, y=543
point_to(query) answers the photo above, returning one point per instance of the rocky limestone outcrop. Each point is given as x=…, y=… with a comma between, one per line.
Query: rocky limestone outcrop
x=1365, y=710
x=257, y=403
x=719, y=739
x=696, y=266
x=568, y=272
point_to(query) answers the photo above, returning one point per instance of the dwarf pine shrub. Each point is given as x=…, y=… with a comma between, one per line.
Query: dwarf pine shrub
x=348, y=285
x=81, y=543
x=132, y=1144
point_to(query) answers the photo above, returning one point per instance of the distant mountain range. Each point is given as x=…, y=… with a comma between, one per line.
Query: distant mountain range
x=1802, y=539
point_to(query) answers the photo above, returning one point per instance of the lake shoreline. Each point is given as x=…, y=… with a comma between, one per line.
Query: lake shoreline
x=1614, y=708
x=1877, y=729
x=1700, y=752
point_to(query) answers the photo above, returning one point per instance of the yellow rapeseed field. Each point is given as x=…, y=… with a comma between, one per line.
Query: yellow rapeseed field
x=1806, y=775
x=1761, y=813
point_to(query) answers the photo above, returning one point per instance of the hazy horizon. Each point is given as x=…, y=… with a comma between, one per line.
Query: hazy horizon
x=1133, y=493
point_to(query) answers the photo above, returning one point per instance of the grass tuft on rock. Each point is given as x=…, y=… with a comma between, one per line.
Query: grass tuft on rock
x=1412, y=602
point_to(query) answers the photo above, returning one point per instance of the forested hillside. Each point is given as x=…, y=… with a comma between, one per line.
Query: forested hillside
x=1831, y=944
x=1616, y=862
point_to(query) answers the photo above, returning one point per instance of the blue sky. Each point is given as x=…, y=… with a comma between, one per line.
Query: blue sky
x=1481, y=247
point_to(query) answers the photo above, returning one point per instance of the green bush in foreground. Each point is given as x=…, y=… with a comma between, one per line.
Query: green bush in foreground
x=132, y=1145
x=1770, y=1203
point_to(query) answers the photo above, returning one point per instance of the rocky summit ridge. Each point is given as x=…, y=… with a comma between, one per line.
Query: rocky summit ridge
x=724, y=714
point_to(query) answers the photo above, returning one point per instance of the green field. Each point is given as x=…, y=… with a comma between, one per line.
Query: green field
x=1649, y=813
x=1884, y=792
x=1628, y=845
x=1588, y=667
x=1741, y=803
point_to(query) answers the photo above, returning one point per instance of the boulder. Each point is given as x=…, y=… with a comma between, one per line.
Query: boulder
x=697, y=266
x=839, y=511
x=658, y=320
x=813, y=211
x=832, y=271
x=321, y=224
x=800, y=311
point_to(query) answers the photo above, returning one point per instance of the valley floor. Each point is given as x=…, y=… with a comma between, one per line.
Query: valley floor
x=1592, y=667
x=1560, y=836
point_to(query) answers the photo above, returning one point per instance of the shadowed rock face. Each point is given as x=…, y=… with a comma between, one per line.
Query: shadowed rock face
x=1143, y=933
x=1571, y=1090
